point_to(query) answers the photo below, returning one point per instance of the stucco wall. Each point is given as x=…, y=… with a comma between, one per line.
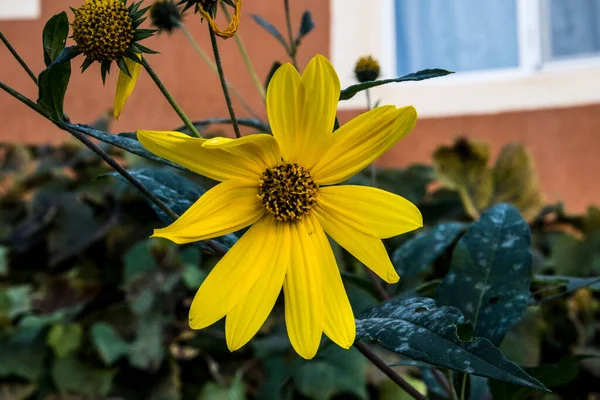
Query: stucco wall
x=563, y=141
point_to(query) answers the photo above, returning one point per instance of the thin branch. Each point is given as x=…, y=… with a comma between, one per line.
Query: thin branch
x=18, y=58
x=386, y=369
x=288, y=22
x=170, y=98
x=215, y=46
x=29, y=103
x=252, y=123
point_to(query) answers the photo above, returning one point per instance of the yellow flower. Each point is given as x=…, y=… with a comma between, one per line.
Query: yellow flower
x=281, y=185
x=107, y=31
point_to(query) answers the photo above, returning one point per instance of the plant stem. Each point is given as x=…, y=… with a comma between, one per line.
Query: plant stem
x=442, y=381
x=215, y=46
x=122, y=171
x=288, y=22
x=170, y=98
x=386, y=369
x=372, y=167
x=377, y=285
x=463, y=387
x=29, y=103
x=453, y=395
x=213, y=67
x=18, y=58
x=247, y=61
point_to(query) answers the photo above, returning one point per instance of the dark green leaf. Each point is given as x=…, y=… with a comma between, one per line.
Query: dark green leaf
x=417, y=329
x=22, y=355
x=490, y=273
x=214, y=391
x=73, y=376
x=334, y=371
x=306, y=25
x=108, y=342
x=350, y=91
x=272, y=30
x=148, y=350
x=415, y=255
x=54, y=36
x=14, y=301
x=274, y=68
x=53, y=82
x=177, y=193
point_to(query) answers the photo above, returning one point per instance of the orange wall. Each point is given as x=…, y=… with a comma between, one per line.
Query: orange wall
x=562, y=141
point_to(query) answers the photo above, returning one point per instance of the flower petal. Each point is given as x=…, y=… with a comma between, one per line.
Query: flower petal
x=371, y=211
x=303, y=290
x=361, y=141
x=367, y=249
x=246, y=160
x=282, y=108
x=318, y=97
x=242, y=323
x=340, y=326
x=232, y=278
x=125, y=86
x=226, y=208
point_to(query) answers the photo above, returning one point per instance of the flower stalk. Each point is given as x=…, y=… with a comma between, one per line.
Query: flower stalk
x=18, y=58
x=215, y=46
x=293, y=48
x=246, y=57
x=170, y=99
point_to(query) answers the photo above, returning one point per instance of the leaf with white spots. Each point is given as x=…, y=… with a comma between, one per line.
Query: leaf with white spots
x=490, y=273
x=418, y=329
x=415, y=255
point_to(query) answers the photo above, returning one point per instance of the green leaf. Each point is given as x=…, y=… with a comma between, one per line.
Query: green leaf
x=193, y=276
x=65, y=338
x=416, y=328
x=53, y=82
x=108, y=342
x=138, y=262
x=490, y=273
x=73, y=376
x=272, y=30
x=178, y=193
x=463, y=167
x=147, y=350
x=333, y=372
x=22, y=355
x=306, y=25
x=272, y=71
x=54, y=36
x=419, y=252
x=14, y=301
x=213, y=391
x=350, y=91
x=3, y=261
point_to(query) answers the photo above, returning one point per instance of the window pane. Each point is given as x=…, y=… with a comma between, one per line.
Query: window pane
x=459, y=35
x=574, y=28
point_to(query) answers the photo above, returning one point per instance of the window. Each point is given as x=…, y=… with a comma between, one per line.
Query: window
x=573, y=28
x=508, y=54
x=461, y=35
x=19, y=9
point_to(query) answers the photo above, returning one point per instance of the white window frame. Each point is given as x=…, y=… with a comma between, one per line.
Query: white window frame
x=19, y=9
x=358, y=29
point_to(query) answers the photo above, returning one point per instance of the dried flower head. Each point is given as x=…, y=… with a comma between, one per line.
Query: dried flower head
x=367, y=69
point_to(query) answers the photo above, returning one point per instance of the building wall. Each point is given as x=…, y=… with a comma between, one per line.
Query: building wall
x=563, y=141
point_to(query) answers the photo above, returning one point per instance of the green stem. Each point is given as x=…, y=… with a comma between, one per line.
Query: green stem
x=246, y=57
x=170, y=98
x=23, y=99
x=288, y=22
x=122, y=171
x=215, y=46
x=463, y=387
x=453, y=395
x=373, y=167
x=386, y=369
x=214, y=68
x=18, y=58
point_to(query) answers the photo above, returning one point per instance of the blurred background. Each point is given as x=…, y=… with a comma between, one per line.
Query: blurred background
x=528, y=71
